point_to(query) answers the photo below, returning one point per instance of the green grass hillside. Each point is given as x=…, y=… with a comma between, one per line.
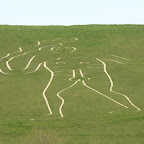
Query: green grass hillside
x=92, y=77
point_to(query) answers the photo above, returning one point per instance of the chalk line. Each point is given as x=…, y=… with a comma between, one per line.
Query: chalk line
x=84, y=62
x=102, y=94
x=5, y=56
x=20, y=50
x=35, y=69
x=52, y=49
x=60, y=62
x=41, y=48
x=120, y=57
x=8, y=66
x=51, y=78
x=73, y=75
x=74, y=49
x=3, y=72
x=58, y=94
x=81, y=73
x=38, y=43
x=115, y=61
x=7, y=62
x=29, y=62
x=111, y=87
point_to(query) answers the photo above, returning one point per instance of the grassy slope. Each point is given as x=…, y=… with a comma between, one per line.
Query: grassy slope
x=87, y=119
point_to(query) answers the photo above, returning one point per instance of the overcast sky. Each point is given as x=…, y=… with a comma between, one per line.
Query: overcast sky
x=71, y=12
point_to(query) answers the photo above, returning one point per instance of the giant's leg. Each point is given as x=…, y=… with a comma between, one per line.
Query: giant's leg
x=104, y=99
x=103, y=94
x=58, y=89
x=112, y=84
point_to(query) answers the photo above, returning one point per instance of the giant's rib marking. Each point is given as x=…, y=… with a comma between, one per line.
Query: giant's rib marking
x=58, y=94
x=111, y=87
x=51, y=78
x=103, y=94
x=29, y=62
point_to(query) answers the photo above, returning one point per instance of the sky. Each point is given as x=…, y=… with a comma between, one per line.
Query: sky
x=71, y=12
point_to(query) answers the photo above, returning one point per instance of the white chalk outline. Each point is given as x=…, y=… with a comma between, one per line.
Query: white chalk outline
x=81, y=73
x=20, y=50
x=60, y=62
x=58, y=95
x=51, y=78
x=115, y=61
x=84, y=62
x=74, y=49
x=111, y=87
x=7, y=62
x=120, y=57
x=44, y=96
x=52, y=48
x=35, y=69
x=38, y=43
x=29, y=62
x=73, y=75
x=60, y=43
x=58, y=48
x=5, y=56
x=3, y=72
x=41, y=48
x=102, y=94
